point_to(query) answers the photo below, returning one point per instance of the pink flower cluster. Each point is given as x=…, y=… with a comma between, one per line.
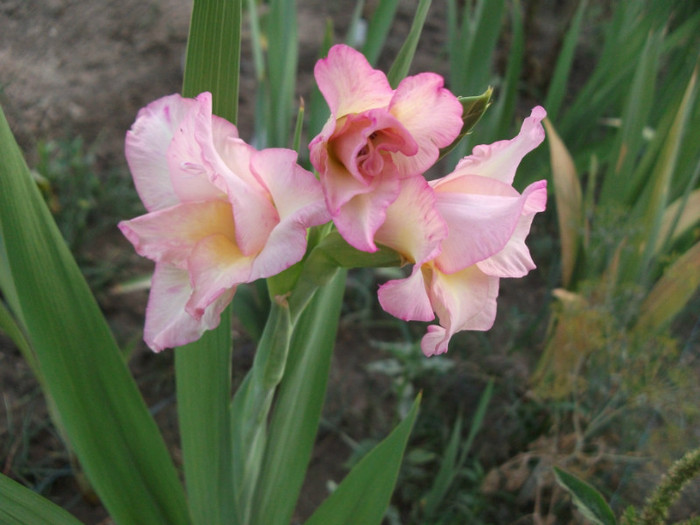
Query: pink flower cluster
x=221, y=213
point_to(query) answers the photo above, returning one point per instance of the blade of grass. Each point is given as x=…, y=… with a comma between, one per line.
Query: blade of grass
x=22, y=506
x=634, y=117
x=559, y=83
x=378, y=30
x=451, y=464
x=318, y=109
x=402, y=63
x=101, y=408
x=503, y=111
x=655, y=203
x=364, y=494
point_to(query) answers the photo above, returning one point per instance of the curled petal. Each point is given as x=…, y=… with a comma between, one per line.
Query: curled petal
x=146, y=148
x=481, y=220
x=514, y=259
x=407, y=298
x=292, y=188
x=190, y=175
x=431, y=114
x=363, y=142
x=167, y=323
x=349, y=83
x=299, y=201
x=500, y=159
x=465, y=300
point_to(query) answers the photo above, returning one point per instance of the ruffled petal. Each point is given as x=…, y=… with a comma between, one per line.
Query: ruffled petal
x=191, y=176
x=349, y=83
x=170, y=235
x=365, y=142
x=480, y=221
x=299, y=201
x=146, y=148
x=500, y=159
x=292, y=188
x=514, y=259
x=254, y=213
x=167, y=323
x=431, y=114
x=465, y=300
x=413, y=226
x=406, y=298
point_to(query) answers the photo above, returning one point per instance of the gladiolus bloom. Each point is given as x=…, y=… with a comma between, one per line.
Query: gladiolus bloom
x=220, y=213
x=375, y=137
x=487, y=222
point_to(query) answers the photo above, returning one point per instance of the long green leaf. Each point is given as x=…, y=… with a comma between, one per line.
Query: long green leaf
x=364, y=494
x=283, y=47
x=663, y=171
x=213, y=54
x=203, y=381
x=634, y=117
x=587, y=499
x=103, y=413
x=402, y=63
x=203, y=368
x=559, y=83
x=21, y=506
x=298, y=407
x=378, y=29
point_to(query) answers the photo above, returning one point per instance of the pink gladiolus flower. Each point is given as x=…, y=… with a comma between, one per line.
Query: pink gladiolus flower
x=487, y=222
x=220, y=213
x=375, y=137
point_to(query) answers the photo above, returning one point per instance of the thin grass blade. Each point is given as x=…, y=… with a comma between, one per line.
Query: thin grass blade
x=634, y=118
x=22, y=506
x=560, y=78
x=402, y=63
x=378, y=29
x=364, y=494
x=660, y=180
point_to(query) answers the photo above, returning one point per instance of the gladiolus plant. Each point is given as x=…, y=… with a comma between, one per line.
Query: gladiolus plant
x=220, y=214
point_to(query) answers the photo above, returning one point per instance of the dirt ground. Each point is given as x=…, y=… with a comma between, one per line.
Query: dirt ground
x=79, y=67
